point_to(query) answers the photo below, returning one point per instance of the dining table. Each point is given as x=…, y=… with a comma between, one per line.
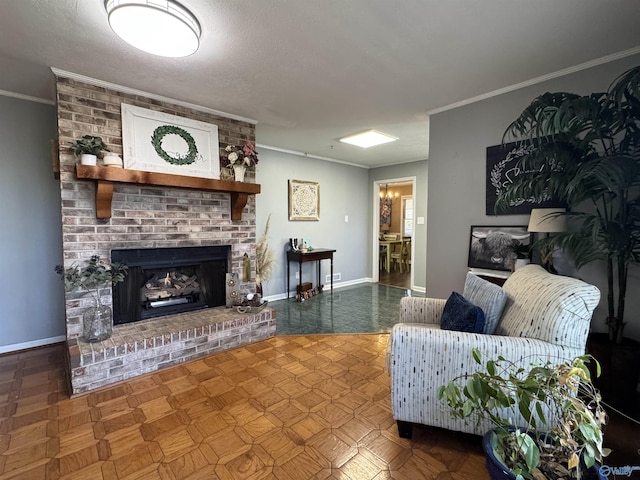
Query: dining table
x=391, y=245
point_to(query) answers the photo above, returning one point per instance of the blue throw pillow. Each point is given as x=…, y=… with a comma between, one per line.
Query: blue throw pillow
x=462, y=315
x=489, y=297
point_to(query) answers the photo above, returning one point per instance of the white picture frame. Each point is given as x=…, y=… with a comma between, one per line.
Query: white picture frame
x=163, y=143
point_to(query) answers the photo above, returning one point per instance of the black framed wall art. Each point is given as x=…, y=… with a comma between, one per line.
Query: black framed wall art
x=491, y=247
x=504, y=164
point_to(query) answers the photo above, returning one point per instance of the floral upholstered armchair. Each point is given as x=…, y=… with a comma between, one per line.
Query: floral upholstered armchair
x=545, y=318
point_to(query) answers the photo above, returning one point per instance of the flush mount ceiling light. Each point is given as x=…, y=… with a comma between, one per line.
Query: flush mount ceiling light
x=370, y=138
x=160, y=27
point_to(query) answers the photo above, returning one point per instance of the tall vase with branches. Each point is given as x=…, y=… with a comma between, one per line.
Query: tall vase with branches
x=265, y=258
x=97, y=321
x=587, y=156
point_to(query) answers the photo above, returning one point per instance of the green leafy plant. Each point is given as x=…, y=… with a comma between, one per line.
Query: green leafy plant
x=559, y=412
x=587, y=157
x=89, y=144
x=520, y=250
x=94, y=275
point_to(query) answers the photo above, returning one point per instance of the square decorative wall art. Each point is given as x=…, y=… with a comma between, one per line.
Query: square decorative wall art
x=158, y=142
x=304, y=200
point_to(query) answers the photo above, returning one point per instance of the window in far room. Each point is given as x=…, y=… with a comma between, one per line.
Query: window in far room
x=407, y=215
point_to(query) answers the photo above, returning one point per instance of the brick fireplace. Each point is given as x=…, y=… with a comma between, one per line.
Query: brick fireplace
x=148, y=217
x=164, y=281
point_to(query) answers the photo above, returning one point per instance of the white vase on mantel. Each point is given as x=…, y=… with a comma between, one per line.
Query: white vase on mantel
x=112, y=160
x=238, y=172
x=88, y=159
x=520, y=262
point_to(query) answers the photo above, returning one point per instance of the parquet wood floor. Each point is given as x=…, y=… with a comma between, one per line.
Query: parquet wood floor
x=287, y=408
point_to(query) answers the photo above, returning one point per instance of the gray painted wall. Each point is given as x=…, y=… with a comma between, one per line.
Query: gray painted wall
x=31, y=296
x=413, y=169
x=343, y=192
x=456, y=200
x=451, y=197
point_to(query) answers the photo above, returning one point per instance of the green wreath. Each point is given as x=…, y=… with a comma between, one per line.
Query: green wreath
x=156, y=140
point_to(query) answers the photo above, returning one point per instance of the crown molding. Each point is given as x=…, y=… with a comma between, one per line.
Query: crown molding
x=5, y=93
x=309, y=155
x=132, y=91
x=534, y=81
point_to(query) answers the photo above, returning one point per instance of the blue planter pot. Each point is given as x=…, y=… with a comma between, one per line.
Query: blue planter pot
x=499, y=471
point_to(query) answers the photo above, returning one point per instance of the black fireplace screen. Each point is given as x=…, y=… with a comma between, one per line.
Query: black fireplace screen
x=165, y=281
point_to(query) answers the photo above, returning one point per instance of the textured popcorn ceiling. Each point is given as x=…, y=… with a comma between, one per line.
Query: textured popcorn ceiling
x=312, y=71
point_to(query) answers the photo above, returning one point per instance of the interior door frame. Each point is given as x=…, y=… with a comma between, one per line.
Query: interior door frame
x=377, y=184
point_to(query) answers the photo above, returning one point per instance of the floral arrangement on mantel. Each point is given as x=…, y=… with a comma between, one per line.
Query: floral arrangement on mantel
x=240, y=156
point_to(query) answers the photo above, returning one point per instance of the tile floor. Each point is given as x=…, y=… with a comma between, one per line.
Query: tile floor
x=364, y=308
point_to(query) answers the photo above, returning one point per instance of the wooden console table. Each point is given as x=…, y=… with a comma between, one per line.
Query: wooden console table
x=314, y=255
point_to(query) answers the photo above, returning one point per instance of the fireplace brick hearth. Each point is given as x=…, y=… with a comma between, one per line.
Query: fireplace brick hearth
x=144, y=347
x=147, y=217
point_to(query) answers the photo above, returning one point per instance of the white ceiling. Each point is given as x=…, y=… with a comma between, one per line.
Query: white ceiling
x=312, y=71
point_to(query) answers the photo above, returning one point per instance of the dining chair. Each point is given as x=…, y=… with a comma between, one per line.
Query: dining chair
x=396, y=256
x=405, y=254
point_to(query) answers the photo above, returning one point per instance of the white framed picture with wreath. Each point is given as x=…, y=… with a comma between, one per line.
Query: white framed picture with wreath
x=163, y=143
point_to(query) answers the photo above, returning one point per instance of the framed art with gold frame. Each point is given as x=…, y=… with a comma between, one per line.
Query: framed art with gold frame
x=304, y=200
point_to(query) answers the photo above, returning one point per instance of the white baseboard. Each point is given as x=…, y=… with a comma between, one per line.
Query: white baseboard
x=413, y=288
x=35, y=343
x=327, y=288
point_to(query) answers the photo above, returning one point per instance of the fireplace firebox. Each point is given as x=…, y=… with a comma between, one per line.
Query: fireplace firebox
x=166, y=281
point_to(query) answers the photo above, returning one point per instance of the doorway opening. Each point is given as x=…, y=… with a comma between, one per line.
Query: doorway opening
x=393, y=232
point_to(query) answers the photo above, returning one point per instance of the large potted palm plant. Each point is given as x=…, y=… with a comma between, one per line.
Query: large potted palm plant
x=587, y=157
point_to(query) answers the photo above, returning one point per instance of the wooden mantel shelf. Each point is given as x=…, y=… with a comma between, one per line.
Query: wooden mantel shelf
x=105, y=177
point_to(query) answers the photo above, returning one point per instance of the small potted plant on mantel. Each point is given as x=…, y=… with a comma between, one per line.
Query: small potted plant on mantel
x=88, y=148
x=559, y=431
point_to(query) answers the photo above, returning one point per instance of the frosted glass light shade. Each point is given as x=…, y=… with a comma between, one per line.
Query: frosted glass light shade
x=159, y=27
x=548, y=220
x=368, y=139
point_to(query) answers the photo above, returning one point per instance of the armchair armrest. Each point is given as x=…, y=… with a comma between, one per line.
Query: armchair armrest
x=423, y=358
x=421, y=310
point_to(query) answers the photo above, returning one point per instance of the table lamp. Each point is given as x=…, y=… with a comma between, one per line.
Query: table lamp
x=547, y=220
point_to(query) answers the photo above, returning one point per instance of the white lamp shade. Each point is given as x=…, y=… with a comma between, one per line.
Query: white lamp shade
x=159, y=27
x=548, y=220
